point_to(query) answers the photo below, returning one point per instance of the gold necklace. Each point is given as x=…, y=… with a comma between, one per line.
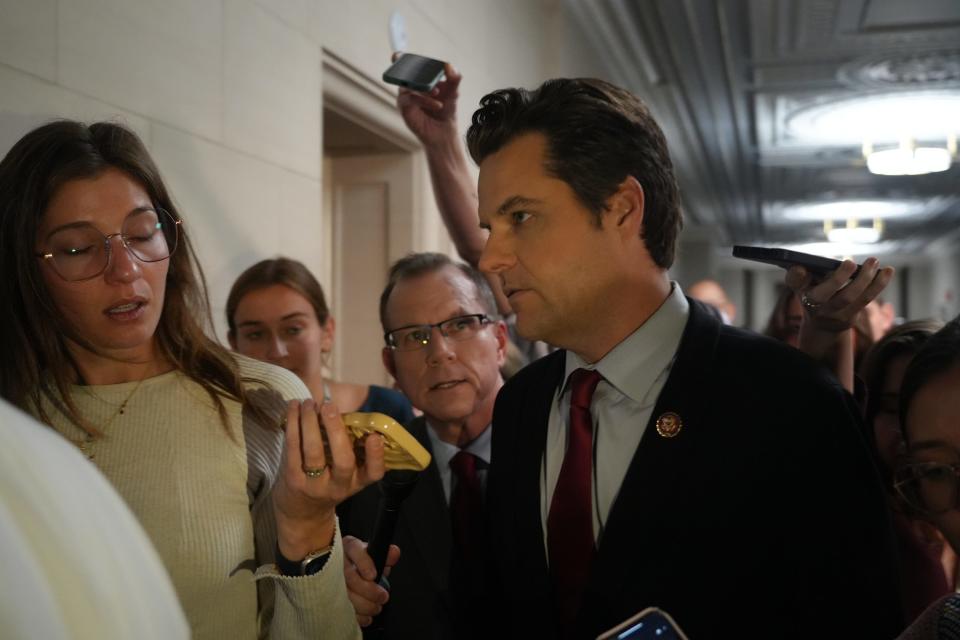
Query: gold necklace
x=86, y=444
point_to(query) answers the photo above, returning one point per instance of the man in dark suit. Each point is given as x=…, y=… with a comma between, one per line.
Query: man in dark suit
x=661, y=458
x=444, y=346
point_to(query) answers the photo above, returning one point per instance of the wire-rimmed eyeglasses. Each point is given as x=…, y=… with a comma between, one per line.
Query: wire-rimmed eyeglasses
x=80, y=251
x=929, y=487
x=418, y=336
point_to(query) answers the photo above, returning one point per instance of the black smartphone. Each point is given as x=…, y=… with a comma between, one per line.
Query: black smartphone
x=819, y=266
x=649, y=624
x=415, y=72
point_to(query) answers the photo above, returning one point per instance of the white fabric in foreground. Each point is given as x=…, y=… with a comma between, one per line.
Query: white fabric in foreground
x=75, y=562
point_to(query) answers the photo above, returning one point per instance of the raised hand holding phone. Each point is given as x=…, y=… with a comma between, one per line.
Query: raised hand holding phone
x=832, y=303
x=830, y=307
x=419, y=73
x=832, y=294
x=432, y=115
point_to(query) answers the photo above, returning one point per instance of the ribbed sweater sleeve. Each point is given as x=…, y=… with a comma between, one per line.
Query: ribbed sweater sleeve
x=313, y=606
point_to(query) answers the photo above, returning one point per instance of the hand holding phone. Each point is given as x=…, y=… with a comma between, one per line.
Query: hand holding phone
x=831, y=290
x=418, y=73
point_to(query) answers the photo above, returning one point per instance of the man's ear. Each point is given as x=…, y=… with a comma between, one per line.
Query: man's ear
x=232, y=339
x=625, y=207
x=500, y=331
x=386, y=354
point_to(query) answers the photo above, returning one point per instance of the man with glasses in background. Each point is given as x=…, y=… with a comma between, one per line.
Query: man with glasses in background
x=444, y=345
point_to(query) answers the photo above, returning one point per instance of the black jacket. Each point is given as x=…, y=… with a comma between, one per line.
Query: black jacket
x=421, y=605
x=763, y=517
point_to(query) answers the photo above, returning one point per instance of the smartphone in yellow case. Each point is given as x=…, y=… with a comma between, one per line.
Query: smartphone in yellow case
x=402, y=452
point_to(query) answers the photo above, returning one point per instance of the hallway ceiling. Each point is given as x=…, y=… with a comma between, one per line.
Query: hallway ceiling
x=767, y=105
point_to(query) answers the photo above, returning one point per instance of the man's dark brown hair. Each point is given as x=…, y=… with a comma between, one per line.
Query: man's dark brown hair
x=597, y=135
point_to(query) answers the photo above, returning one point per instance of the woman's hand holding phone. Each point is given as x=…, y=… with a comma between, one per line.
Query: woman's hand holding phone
x=311, y=483
x=831, y=304
x=830, y=307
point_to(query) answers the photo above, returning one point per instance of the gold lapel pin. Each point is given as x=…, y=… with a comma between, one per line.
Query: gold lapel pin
x=669, y=424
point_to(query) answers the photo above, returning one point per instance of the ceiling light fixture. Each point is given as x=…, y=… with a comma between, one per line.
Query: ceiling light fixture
x=909, y=159
x=853, y=232
x=844, y=209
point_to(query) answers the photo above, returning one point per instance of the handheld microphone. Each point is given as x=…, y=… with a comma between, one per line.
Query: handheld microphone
x=394, y=489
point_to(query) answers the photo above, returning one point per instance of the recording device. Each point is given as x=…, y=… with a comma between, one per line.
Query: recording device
x=401, y=451
x=415, y=72
x=649, y=624
x=818, y=266
x=394, y=489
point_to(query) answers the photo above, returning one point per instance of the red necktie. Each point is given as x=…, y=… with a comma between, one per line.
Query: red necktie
x=466, y=502
x=466, y=512
x=570, y=521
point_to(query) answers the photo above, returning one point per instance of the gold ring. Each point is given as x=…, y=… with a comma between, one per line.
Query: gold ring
x=315, y=472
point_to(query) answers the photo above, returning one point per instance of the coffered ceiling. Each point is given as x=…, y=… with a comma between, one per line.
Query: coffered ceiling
x=769, y=105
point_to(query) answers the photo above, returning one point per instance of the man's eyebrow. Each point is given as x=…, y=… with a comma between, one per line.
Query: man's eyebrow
x=294, y=315
x=515, y=201
x=509, y=204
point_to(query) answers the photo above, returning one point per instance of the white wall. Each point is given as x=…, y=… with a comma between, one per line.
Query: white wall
x=228, y=95
x=939, y=281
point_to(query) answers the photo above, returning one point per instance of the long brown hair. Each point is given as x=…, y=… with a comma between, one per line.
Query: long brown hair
x=36, y=362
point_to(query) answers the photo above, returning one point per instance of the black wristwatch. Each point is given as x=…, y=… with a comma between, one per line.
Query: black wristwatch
x=311, y=564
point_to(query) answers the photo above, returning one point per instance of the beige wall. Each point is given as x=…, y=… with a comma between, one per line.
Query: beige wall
x=228, y=96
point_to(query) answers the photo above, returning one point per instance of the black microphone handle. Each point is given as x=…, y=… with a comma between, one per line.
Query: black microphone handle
x=379, y=545
x=394, y=489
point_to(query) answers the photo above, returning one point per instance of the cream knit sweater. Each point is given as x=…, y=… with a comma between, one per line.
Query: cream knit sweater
x=203, y=498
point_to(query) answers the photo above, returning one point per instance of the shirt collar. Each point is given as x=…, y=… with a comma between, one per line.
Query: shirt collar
x=443, y=451
x=633, y=365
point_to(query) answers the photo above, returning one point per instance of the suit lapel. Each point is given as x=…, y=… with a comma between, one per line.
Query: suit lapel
x=532, y=439
x=659, y=461
x=426, y=515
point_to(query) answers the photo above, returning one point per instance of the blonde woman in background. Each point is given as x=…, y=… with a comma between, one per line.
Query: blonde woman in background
x=277, y=313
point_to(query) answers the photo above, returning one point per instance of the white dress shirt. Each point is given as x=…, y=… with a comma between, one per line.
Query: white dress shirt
x=634, y=373
x=443, y=453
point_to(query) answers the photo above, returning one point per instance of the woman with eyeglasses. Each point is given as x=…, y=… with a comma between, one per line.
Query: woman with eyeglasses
x=927, y=563
x=108, y=342
x=928, y=476
x=277, y=313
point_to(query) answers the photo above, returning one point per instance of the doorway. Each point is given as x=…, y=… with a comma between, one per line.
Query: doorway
x=369, y=197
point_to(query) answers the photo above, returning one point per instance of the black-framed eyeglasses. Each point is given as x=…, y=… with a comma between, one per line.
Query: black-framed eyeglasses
x=929, y=487
x=418, y=336
x=80, y=251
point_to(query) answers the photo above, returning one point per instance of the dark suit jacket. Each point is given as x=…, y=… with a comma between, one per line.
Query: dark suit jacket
x=420, y=603
x=763, y=517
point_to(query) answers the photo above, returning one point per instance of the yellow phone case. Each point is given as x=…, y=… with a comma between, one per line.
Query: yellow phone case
x=401, y=450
